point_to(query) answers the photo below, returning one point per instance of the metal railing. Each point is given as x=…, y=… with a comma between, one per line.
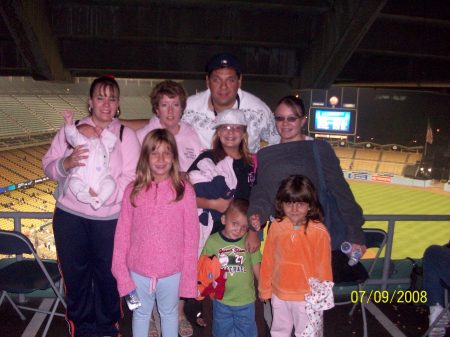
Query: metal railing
x=17, y=216
x=391, y=220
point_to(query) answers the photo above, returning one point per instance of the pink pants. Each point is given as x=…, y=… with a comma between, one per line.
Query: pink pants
x=286, y=315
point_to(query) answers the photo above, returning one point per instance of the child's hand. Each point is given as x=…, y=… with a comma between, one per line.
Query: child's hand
x=221, y=205
x=68, y=116
x=255, y=222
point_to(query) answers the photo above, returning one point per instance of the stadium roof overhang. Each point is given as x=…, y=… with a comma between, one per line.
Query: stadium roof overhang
x=308, y=44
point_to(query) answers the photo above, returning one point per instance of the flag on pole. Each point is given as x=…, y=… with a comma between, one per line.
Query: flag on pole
x=429, y=136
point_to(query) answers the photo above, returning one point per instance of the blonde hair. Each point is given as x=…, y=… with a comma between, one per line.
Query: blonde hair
x=144, y=175
x=219, y=152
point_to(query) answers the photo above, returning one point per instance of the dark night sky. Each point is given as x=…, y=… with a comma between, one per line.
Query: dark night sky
x=397, y=116
x=392, y=116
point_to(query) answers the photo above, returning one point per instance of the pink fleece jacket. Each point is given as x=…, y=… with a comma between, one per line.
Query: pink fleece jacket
x=122, y=164
x=157, y=238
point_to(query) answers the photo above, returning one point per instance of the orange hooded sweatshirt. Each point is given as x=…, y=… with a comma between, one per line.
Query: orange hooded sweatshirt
x=291, y=257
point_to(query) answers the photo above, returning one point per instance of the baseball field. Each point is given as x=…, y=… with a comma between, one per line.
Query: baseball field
x=411, y=238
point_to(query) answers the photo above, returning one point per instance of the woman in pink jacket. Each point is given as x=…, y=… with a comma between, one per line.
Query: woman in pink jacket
x=156, y=241
x=84, y=236
x=168, y=99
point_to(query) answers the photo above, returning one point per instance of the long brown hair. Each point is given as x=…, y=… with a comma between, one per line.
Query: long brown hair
x=144, y=176
x=298, y=188
x=295, y=103
x=219, y=152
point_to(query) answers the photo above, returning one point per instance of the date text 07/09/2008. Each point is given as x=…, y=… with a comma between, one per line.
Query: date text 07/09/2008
x=384, y=296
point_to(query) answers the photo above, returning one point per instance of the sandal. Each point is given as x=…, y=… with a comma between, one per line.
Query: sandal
x=153, y=331
x=185, y=328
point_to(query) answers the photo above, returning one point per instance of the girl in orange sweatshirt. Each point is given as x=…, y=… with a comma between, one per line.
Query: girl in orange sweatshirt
x=297, y=261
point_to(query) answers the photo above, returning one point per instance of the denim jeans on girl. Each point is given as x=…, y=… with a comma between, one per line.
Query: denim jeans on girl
x=166, y=294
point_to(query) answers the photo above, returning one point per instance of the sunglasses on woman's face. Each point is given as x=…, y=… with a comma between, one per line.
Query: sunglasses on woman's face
x=290, y=119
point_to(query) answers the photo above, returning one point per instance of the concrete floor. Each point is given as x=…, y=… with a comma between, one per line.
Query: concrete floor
x=399, y=320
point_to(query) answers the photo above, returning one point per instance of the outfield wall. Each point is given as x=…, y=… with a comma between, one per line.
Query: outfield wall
x=387, y=178
x=447, y=187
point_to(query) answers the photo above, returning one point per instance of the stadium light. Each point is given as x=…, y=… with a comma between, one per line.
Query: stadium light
x=333, y=101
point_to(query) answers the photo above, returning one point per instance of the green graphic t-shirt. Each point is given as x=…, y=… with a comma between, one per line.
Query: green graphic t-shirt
x=240, y=286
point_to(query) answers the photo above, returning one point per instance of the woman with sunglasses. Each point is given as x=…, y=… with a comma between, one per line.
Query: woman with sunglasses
x=294, y=155
x=290, y=118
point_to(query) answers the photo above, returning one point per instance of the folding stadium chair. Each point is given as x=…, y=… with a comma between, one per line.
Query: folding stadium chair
x=446, y=311
x=22, y=275
x=375, y=238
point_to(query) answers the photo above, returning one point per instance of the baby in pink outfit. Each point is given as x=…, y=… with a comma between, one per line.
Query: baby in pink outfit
x=92, y=183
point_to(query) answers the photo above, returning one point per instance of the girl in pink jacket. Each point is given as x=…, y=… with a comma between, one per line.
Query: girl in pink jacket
x=156, y=240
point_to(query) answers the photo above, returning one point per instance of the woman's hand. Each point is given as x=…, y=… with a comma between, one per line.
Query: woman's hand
x=252, y=241
x=255, y=222
x=76, y=157
x=363, y=248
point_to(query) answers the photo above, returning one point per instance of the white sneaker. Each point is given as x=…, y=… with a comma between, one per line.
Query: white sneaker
x=439, y=329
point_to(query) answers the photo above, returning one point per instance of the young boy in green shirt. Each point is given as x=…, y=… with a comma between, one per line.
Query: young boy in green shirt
x=236, y=311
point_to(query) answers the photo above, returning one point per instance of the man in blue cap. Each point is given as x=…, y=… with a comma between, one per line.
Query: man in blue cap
x=223, y=80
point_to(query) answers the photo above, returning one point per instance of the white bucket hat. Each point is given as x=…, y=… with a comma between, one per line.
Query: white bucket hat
x=230, y=116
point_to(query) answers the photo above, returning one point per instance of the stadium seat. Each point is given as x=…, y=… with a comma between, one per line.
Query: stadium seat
x=346, y=164
x=364, y=154
x=375, y=238
x=22, y=275
x=344, y=152
x=364, y=165
x=394, y=156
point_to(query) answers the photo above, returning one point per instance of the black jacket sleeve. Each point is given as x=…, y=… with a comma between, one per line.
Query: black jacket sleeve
x=350, y=211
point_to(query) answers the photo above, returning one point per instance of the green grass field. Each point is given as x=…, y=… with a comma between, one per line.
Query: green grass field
x=410, y=238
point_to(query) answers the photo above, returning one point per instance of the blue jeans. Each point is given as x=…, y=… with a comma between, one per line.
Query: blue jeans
x=436, y=273
x=166, y=294
x=233, y=321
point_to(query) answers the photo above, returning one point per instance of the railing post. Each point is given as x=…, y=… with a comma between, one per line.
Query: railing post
x=17, y=223
x=388, y=253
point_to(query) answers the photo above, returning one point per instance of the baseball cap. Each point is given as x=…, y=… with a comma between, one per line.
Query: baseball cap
x=230, y=116
x=223, y=60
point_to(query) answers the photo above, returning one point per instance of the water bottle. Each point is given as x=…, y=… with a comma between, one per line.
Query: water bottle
x=354, y=255
x=132, y=300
